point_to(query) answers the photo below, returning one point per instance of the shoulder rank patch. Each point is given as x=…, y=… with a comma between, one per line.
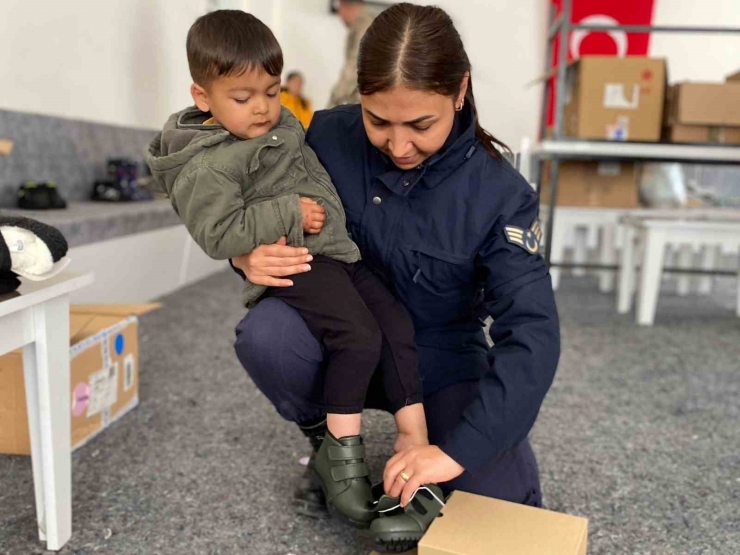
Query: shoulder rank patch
x=528, y=239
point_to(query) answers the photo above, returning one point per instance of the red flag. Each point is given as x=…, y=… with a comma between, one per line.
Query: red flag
x=617, y=43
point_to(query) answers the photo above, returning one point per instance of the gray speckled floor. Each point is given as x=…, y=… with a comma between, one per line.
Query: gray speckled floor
x=641, y=433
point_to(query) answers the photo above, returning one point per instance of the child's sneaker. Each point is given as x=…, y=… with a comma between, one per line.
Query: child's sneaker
x=340, y=466
x=399, y=529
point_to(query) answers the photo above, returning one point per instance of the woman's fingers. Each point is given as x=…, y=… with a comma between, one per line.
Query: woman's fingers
x=282, y=251
x=282, y=271
x=393, y=469
x=409, y=488
x=278, y=262
x=268, y=281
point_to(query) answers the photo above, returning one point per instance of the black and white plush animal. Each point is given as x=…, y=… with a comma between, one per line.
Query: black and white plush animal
x=30, y=249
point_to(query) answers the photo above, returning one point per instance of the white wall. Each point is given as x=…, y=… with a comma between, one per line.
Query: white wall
x=123, y=61
x=313, y=43
x=697, y=57
x=503, y=39
x=112, y=61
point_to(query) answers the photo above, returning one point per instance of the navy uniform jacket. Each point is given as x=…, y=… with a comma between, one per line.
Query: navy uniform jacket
x=454, y=239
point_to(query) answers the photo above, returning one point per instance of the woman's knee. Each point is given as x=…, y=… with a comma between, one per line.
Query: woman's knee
x=283, y=359
x=272, y=329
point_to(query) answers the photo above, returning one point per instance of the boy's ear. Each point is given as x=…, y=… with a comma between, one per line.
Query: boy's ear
x=200, y=97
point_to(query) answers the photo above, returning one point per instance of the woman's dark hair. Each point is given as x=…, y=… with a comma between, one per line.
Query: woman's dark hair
x=231, y=42
x=419, y=47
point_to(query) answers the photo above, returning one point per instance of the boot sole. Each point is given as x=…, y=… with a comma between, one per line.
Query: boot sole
x=397, y=542
x=335, y=513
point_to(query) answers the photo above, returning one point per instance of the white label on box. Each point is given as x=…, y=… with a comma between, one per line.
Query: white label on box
x=105, y=417
x=129, y=368
x=609, y=169
x=619, y=131
x=103, y=389
x=615, y=97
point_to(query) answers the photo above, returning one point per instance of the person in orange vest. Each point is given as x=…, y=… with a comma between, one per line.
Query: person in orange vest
x=291, y=96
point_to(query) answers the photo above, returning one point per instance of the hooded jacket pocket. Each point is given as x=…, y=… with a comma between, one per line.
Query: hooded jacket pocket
x=440, y=272
x=271, y=169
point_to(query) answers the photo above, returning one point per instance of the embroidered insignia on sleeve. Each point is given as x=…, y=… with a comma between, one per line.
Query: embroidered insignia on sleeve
x=528, y=239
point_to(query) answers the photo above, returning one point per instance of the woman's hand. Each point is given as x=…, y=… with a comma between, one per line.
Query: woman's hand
x=423, y=465
x=266, y=264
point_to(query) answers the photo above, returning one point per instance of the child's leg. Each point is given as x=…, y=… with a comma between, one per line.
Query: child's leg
x=337, y=316
x=411, y=422
x=398, y=358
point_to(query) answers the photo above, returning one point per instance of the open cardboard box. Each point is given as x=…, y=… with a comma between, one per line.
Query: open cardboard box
x=104, y=372
x=476, y=525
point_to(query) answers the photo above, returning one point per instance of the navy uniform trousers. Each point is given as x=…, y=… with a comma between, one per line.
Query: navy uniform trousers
x=286, y=363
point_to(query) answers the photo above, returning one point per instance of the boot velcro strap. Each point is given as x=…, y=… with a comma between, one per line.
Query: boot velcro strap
x=346, y=453
x=348, y=471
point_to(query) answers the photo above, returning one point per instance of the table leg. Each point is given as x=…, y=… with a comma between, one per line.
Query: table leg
x=652, y=267
x=46, y=370
x=709, y=259
x=685, y=259
x=580, y=251
x=719, y=253
x=626, y=271
x=608, y=256
x=557, y=252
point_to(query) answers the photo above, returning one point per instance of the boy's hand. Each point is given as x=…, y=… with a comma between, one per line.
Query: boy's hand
x=313, y=216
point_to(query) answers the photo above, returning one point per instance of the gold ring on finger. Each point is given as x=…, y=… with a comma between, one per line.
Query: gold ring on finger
x=405, y=477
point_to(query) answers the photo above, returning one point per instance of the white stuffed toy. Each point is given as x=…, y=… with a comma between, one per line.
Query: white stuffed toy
x=30, y=249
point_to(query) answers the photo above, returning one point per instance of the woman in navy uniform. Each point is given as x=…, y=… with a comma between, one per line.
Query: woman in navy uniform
x=452, y=229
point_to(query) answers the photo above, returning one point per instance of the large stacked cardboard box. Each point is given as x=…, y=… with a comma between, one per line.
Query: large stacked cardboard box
x=104, y=371
x=704, y=112
x=615, y=99
x=594, y=184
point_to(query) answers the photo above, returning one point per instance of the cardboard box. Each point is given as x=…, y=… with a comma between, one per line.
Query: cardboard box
x=476, y=525
x=594, y=184
x=702, y=134
x=617, y=99
x=104, y=371
x=713, y=104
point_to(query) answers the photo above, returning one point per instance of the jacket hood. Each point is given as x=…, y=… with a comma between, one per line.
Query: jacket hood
x=183, y=137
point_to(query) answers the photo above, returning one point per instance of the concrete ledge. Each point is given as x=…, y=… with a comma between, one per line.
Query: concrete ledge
x=83, y=223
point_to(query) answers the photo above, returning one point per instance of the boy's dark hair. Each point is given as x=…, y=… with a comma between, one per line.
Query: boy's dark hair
x=231, y=42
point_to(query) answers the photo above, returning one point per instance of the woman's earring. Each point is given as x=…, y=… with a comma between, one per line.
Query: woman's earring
x=462, y=104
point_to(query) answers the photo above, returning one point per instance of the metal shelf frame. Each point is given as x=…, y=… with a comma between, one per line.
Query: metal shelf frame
x=560, y=148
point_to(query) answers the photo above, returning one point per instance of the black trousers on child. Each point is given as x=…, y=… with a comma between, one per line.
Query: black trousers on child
x=363, y=328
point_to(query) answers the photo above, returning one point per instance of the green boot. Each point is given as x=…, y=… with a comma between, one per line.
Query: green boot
x=340, y=466
x=398, y=529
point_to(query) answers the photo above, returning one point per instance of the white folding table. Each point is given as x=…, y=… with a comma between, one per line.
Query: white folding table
x=702, y=230
x=36, y=318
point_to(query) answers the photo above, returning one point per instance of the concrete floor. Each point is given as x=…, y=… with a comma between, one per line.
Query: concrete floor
x=640, y=433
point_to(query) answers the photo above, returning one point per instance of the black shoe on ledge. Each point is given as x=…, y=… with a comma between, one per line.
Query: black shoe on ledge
x=40, y=196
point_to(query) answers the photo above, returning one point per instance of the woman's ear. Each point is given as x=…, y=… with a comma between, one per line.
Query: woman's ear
x=463, y=89
x=200, y=97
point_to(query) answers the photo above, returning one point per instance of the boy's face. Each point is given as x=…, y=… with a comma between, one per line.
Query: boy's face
x=247, y=105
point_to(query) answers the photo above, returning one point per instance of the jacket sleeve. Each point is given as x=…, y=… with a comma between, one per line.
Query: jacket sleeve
x=526, y=336
x=210, y=203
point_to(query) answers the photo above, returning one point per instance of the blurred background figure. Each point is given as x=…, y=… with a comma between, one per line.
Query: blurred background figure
x=291, y=96
x=357, y=18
